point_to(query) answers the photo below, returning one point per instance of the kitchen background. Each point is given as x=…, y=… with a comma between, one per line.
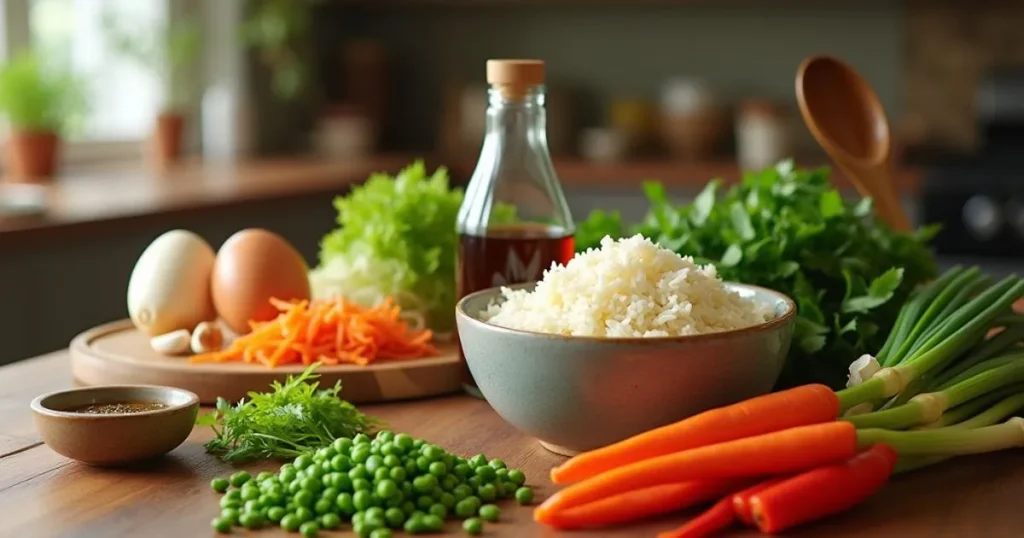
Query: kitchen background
x=670, y=90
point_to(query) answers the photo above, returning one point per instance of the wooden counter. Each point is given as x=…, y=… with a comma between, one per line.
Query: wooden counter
x=43, y=494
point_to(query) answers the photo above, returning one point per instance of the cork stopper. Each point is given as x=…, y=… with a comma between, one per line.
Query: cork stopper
x=514, y=77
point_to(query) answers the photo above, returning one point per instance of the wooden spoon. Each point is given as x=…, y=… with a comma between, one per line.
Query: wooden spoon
x=843, y=113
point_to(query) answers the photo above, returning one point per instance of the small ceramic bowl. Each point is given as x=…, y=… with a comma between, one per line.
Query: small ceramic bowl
x=115, y=438
x=578, y=393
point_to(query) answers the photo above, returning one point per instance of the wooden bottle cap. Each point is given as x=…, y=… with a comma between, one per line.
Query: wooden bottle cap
x=514, y=77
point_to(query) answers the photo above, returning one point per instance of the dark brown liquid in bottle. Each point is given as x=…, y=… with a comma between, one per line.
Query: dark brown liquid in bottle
x=509, y=254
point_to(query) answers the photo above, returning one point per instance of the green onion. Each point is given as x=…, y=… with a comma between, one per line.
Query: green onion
x=950, y=441
x=911, y=313
x=931, y=319
x=995, y=345
x=928, y=407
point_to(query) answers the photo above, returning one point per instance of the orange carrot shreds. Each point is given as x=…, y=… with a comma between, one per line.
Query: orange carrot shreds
x=640, y=504
x=799, y=406
x=777, y=453
x=331, y=332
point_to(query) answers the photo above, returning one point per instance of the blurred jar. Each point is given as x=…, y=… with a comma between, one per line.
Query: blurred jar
x=693, y=125
x=635, y=120
x=345, y=132
x=762, y=135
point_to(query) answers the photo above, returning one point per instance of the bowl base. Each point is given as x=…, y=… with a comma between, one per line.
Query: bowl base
x=473, y=391
x=560, y=450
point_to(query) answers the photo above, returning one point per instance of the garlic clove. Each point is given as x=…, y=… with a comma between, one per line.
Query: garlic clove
x=207, y=337
x=172, y=343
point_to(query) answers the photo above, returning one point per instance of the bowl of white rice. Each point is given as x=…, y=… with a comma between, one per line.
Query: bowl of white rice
x=619, y=340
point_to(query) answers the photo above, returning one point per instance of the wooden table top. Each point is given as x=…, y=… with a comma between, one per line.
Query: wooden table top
x=43, y=494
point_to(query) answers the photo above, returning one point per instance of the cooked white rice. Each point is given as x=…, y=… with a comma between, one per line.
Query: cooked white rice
x=628, y=288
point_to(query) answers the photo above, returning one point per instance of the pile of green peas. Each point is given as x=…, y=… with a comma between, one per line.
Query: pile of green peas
x=390, y=482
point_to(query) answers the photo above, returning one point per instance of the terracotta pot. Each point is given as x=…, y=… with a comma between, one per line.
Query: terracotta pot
x=31, y=156
x=167, y=138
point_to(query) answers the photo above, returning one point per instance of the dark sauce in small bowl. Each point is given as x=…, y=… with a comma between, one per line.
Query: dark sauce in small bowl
x=119, y=408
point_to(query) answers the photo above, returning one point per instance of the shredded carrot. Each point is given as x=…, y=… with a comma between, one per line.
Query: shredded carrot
x=331, y=332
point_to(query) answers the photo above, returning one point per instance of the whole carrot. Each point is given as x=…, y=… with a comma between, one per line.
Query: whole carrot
x=799, y=406
x=713, y=521
x=640, y=504
x=824, y=491
x=741, y=499
x=782, y=452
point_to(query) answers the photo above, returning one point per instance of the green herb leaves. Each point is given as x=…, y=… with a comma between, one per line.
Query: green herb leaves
x=790, y=230
x=293, y=418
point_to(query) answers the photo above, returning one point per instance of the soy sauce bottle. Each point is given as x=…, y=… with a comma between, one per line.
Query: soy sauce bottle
x=514, y=221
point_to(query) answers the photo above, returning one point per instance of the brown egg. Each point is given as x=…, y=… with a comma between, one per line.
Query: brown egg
x=252, y=267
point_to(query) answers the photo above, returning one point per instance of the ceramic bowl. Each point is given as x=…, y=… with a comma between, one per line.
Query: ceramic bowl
x=111, y=439
x=579, y=393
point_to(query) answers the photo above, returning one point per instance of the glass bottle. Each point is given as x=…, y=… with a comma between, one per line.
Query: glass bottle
x=514, y=221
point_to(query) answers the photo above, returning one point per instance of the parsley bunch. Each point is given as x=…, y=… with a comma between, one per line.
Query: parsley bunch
x=293, y=418
x=789, y=230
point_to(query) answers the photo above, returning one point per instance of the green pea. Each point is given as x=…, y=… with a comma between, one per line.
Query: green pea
x=397, y=474
x=395, y=502
x=345, y=503
x=358, y=471
x=473, y=526
x=424, y=502
x=418, y=443
x=220, y=485
x=302, y=462
x=462, y=470
x=407, y=491
x=381, y=533
x=272, y=498
x=382, y=473
x=221, y=525
x=490, y=512
x=263, y=476
x=330, y=521
x=465, y=508
x=250, y=494
x=374, y=512
x=360, y=454
x=341, y=463
x=342, y=482
x=387, y=489
x=361, y=484
x=251, y=520
x=252, y=506
x=524, y=495
x=239, y=478
x=373, y=463
x=438, y=510
x=230, y=514
x=517, y=477
x=462, y=491
x=287, y=476
x=447, y=500
x=432, y=452
x=358, y=518
x=496, y=464
x=392, y=461
x=404, y=441
x=448, y=482
x=408, y=507
x=478, y=461
x=290, y=522
x=436, y=494
x=433, y=523
x=326, y=452
x=295, y=486
x=303, y=498
x=323, y=506
x=309, y=529
x=411, y=468
x=362, y=500
x=415, y=525
x=330, y=494
x=424, y=484
x=438, y=469
x=229, y=502
x=486, y=474
x=394, y=517
x=276, y=513
x=304, y=514
x=423, y=464
x=390, y=449
x=360, y=439
x=475, y=482
x=316, y=472
x=509, y=489
x=342, y=445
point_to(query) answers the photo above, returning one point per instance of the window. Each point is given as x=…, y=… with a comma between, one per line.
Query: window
x=124, y=97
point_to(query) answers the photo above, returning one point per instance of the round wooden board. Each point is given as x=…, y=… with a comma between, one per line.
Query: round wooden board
x=117, y=353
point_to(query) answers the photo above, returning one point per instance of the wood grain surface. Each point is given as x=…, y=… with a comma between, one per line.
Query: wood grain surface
x=117, y=354
x=44, y=495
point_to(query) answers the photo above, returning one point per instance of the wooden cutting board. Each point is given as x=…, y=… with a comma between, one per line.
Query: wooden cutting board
x=118, y=354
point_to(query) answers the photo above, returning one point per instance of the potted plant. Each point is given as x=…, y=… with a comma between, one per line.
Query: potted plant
x=170, y=53
x=39, y=105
